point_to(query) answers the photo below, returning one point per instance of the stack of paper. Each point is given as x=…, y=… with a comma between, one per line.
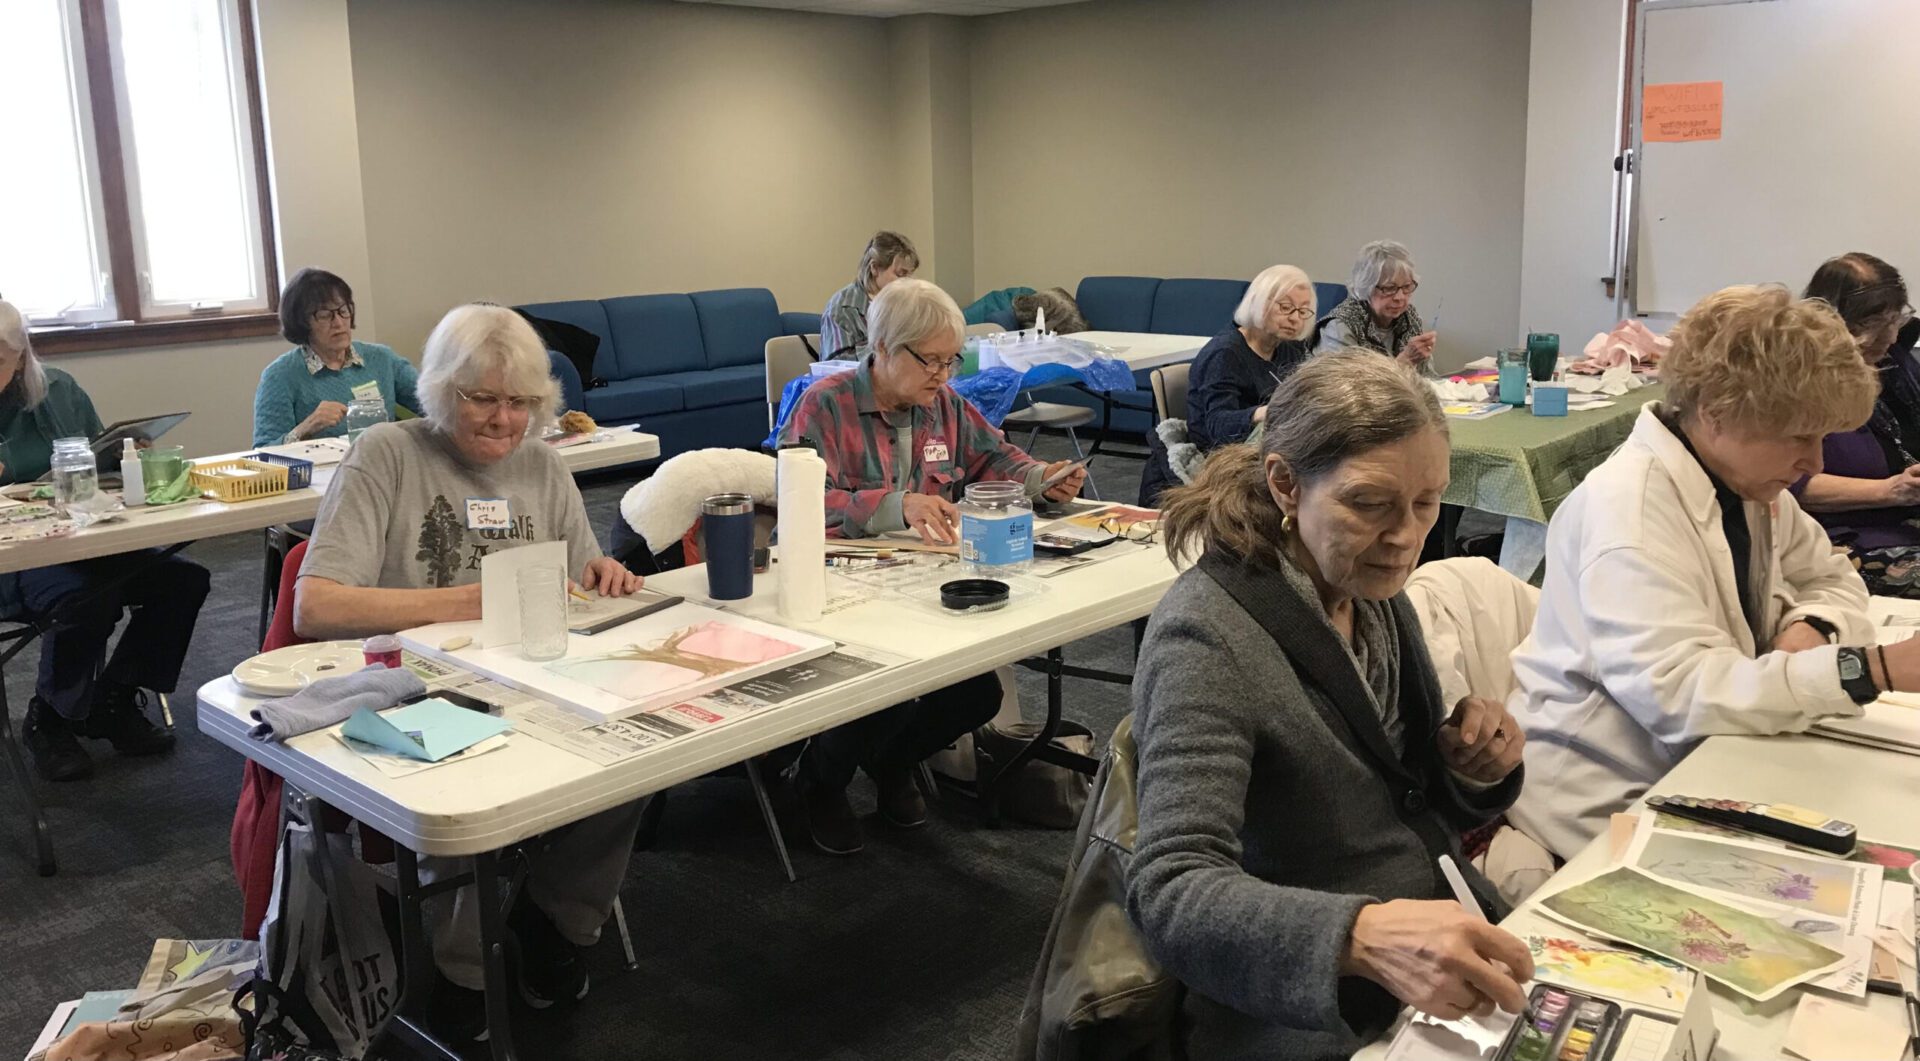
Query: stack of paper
x=1891, y=722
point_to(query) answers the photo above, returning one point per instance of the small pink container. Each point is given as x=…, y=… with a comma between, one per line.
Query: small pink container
x=382, y=649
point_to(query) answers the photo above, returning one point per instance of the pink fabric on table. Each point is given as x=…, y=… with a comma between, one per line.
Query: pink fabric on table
x=1629, y=340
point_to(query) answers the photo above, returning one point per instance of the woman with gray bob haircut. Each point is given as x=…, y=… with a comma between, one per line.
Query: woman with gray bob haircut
x=399, y=542
x=1378, y=312
x=1286, y=665
x=889, y=256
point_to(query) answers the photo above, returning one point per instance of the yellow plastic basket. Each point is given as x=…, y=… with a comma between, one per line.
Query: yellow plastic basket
x=267, y=480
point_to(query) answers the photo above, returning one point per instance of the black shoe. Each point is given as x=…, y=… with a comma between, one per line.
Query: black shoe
x=49, y=739
x=831, y=823
x=901, y=804
x=119, y=717
x=459, y=1016
x=551, y=965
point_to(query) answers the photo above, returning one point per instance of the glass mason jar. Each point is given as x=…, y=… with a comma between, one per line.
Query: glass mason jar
x=76, y=475
x=996, y=529
x=363, y=413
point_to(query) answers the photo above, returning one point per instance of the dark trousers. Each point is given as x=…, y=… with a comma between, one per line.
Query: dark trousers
x=165, y=596
x=892, y=741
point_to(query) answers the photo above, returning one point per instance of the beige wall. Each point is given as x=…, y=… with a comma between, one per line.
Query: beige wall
x=933, y=140
x=520, y=151
x=1197, y=139
x=308, y=77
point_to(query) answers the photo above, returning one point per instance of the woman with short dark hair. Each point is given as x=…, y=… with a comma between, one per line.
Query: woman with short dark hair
x=304, y=393
x=843, y=326
x=1868, y=496
x=1299, y=773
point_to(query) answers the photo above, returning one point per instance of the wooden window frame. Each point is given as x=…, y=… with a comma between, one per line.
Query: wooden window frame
x=129, y=329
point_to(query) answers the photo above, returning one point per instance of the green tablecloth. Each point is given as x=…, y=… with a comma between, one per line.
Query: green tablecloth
x=1518, y=464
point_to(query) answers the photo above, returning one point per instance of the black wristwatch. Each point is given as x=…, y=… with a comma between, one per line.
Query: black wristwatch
x=1855, y=679
x=1825, y=628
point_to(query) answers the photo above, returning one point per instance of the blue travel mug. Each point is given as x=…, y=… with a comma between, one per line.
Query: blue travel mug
x=727, y=523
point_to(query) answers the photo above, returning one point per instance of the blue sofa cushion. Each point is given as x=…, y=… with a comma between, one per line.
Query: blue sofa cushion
x=735, y=324
x=1117, y=303
x=1326, y=296
x=713, y=387
x=582, y=313
x=1195, y=307
x=653, y=334
x=629, y=399
x=798, y=323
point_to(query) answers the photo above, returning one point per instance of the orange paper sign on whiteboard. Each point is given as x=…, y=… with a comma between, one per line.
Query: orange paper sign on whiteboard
x=1681, y=111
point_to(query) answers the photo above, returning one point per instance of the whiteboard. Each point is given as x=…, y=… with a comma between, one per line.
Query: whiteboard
x=1819, y=151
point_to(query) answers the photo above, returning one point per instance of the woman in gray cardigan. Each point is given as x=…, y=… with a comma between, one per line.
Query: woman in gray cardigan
x=1298, y=772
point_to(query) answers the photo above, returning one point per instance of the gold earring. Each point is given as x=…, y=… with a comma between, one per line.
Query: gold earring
x=1286, y=523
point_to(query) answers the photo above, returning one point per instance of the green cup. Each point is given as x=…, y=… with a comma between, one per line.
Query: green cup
x=1543, y=354
x=160, y=465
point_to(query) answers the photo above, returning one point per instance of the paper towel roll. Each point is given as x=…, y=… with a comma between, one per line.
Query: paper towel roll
x=803, y=534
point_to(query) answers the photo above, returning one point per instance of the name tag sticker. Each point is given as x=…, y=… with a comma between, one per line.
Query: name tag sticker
x=366, y=391
x=933, y=452
x=487, y=513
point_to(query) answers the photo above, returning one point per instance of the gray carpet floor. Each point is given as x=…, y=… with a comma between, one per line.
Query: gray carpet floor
x=919, y=947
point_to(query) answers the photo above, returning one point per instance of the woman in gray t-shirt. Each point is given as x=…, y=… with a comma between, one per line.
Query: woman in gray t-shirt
x=398, y=544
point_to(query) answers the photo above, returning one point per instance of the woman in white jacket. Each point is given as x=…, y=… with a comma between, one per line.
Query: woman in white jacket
x=1687, y=594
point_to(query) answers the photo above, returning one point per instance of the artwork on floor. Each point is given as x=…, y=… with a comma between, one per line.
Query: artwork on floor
x=1628, y=977
x=1747, y=952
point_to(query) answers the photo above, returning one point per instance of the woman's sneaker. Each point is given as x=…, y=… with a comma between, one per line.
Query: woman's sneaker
x=49, y=739
x=552, y=967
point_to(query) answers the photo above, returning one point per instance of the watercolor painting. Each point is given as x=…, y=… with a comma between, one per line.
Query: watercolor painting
x=1746, y=952
x=1899, y=862
x=1774, y=876
x=1628, y=977
x=687, y=655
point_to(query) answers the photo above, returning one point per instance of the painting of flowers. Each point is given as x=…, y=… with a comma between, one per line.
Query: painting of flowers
x=1628, y=977
x=1749, y=953
x=1750, y=871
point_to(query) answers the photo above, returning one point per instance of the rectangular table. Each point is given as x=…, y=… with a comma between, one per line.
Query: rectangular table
x=530, y=787
x=1146, y=350
x=1523, y=466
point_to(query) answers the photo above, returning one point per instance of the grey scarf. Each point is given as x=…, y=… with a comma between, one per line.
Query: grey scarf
x=1357, y=318
x=1373, y=650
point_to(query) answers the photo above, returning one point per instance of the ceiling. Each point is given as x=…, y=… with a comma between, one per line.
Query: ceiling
x=890, y=8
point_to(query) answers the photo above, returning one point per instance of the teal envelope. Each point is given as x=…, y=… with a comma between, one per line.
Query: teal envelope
x=430, y=730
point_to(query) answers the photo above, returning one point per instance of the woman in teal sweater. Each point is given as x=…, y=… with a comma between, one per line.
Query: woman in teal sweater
x=304, y=393
x=81, y=690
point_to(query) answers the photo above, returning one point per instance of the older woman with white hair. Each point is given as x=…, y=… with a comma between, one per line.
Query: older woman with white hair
x=76, y=696
x=398, y=544
x=889, y=256
x=1378, y=312
x=1235, y=373
x=900, y=446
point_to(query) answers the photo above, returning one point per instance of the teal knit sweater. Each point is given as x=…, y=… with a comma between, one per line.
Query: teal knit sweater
x=289, y=393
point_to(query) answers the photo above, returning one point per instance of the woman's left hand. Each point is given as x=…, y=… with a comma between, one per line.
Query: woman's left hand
x=1481, y=740
x=1068, y=488
x=610, y=577
x=1418, y=349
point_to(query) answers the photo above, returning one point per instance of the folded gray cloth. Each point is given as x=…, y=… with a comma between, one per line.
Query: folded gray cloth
x=331, y=700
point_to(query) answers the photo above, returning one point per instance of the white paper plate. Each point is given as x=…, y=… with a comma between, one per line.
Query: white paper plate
x=286, y=671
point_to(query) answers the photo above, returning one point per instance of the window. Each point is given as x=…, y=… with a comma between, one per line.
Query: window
x=141, y=213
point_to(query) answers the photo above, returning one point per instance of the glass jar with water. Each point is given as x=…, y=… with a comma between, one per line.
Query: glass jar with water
x=76, y=475
x=996, y=529
x=362, y=414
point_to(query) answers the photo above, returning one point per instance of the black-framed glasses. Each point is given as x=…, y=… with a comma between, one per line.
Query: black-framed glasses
x=491, y=403
x=342, y=312
x=1139, y=530
x=1393, y=290
x=948, y=366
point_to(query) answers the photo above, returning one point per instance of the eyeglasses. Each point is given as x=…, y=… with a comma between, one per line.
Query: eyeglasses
x=1288, y=309
x=1395, y=290
x=342, y=312
x=491, y=403
x=948, y=366
x=1140, y=530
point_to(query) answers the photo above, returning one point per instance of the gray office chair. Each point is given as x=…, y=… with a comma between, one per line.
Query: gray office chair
x=787, y=359
x=1170, y=393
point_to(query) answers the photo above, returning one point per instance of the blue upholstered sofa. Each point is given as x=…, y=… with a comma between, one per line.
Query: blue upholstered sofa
x=1172, y=306
x=689, y=368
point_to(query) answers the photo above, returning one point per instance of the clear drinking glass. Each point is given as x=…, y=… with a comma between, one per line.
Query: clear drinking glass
x=543, y=611
x=363, y=414
x=76, y=477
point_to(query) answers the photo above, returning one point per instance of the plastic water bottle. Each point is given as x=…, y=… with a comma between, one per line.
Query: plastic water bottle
x=133, y=478
x=76, y=475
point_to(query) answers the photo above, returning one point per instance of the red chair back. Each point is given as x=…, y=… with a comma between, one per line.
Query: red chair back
x=280, y=633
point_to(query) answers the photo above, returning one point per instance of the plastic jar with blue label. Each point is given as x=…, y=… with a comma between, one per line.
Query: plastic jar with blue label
x=996, y=529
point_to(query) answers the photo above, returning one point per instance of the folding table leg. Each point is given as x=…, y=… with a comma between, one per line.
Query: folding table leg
x=23, y=779
x=767, y=815
x=416, y=963
x=990, y=787
x=493, y=951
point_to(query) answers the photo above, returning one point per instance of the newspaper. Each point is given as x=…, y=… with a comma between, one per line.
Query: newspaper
x=607, y=743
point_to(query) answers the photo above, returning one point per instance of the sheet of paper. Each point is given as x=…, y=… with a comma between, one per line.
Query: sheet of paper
x=54, y=1026
x=1642, y=1038
x=1745, y=870
x=1629, y=977
x=431, y=729
x=500, y=589
x=1680, y=112
x=398, y=766
x=1826, y=1028
x=320, y=451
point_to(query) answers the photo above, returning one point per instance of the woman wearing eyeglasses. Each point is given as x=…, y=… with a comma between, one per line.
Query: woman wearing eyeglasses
x=304, y=393
x=1868, y=496
x=1378, y=313
x=900, y=447
x=398, y=543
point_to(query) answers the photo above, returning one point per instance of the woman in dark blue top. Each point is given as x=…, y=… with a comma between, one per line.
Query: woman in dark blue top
x=1232, y=376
